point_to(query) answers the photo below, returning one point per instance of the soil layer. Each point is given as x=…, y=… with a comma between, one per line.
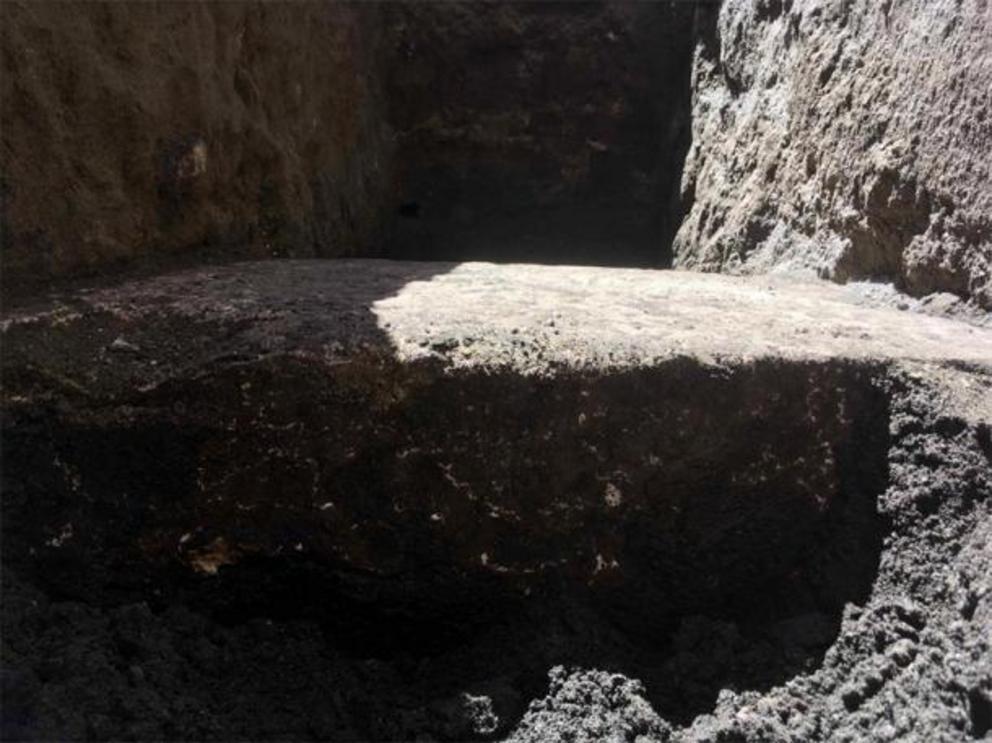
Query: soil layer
x=293, y=501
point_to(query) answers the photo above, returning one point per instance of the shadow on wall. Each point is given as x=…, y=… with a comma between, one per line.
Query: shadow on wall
x=546, y=132
x=538, y=131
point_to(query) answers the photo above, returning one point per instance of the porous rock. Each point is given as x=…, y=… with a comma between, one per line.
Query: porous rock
x=849, y=139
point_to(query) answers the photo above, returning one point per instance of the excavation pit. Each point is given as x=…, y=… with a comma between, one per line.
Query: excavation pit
x=287, y=469
x=423, y=519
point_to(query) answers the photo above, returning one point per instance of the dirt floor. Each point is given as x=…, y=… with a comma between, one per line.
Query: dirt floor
x=369, y=500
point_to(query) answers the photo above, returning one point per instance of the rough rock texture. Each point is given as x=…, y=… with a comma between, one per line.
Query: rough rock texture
x=914, y=662
x=295, y=500
x=851, y=138
x=539, y=131
x=593, y=706
x=152, y=132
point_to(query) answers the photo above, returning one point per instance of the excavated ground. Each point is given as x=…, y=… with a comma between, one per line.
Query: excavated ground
x=381, y=500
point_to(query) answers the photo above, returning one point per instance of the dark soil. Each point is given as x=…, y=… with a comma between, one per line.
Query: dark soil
x=267, y=522
x=105, y=642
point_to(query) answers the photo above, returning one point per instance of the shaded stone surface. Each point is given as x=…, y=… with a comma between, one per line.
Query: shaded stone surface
x=545, y=132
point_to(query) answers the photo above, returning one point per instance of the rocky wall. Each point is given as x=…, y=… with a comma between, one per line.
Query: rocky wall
x=153, y=133
x=847, y=138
